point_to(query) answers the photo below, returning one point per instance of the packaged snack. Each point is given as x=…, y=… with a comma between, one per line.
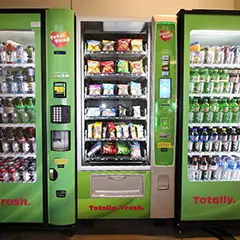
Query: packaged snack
x=95, y=89
x=122, y=66
x=123, y=44
x=109, y=112
x=90, y=130
x=137, y=45
x=97, y=133
x=136, y=67
x=136, y=111
x=93, y=46
x=108, y=89
x=96, y=147
x=125, y=131
x=107, y=67
x=133, y=131
x=119, y=131
x=122, y=89
x=111, y=130
x=93, y=67
x=104, y=133
x=122, y=111
x=93, y=112
x=135, y=150
x=135, y=89
x=122, y=148
x=140, y=131
x=108, y=45
x=109, y=149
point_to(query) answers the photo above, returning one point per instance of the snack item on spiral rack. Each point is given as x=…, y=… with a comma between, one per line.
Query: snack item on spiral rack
x=122, y=111
x=123, y=44
x=93, y=46
x=140, y=131
x=107, y=67
x=111, y=130
x=122, y=148
x=133, y=131
x=125, y=130
x=95, y=89
x=136, y=111
x=108, y=89
x=93, y=67
x=90, y=130
x=122, y=89
x=109, y=112
x=135, y=89
x=97, y=133
x=119, y=131
x=137, y=45
x=104, y=131
x=96, y=148
x=135, y=150
x=108, y=45
x=109, y=148
x=122, y=66
x=136, y=67
x=93, y=112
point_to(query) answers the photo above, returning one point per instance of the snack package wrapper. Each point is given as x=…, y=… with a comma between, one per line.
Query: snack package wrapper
x=107, y=67
x=123, y=149
x=93, y=67
x=93, y=112
x=123, y=44
x=93, y=46
x=108, y=45
x=104, y=132
x=122, y=111
x=109, y=149
x=108, y=89
x=137, y=45
x=136, y=111
x=97, y=133
x=96, y=148
x=95, y=89
x=122, y=89
x=125, y=131
x=135, y=89
x=136, y=67
x=135, y=150
x=133, y=131
x=140, y=131
x=111, y=130
x=109, y=112
x=119, y=131
x=122, y=66
x=90, y=130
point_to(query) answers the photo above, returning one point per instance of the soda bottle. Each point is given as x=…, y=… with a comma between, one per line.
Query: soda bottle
x=3, y=84
x=30, y=108
x=205, y=79
x=194, y=138
x=3, y=142
x=194, y=111
x=222, y=166
x=231, y=166
x=203, y=167
x=224, y=81
x=214, y=138
x=224, y=111
x=31, y=141
x=22, y=116
x=233, y=140
x=214, y=81
x=190, y=143
x=29, y=83
x=10, y=139
x=213, y=166
x=224, y=140
x=19, y=79
x=195, y=83
x=12, y=85
x=236, y=171
x=9, y=111
x=193, y=169
x=233, y=79
x=1, y=110
x=205, y=144
x=205, y=113
x=214, y=111
x=21, y=140
x=234, y=111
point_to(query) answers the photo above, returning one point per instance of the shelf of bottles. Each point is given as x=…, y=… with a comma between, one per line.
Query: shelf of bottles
x=17, y=113
x=214, y=116
x=116, y=102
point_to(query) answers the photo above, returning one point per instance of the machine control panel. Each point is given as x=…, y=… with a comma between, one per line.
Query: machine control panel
x=60, y=114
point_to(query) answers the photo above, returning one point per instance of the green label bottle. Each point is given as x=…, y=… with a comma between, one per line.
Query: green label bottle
x=214, y=111
x=224, y=111
x=204, y=109
x=234, y=111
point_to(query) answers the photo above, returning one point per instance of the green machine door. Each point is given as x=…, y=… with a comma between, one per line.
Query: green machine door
x=208, y=115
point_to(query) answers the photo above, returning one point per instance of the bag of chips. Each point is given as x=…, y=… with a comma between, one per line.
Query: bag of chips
x=140, y=131
x=108, y=89
x=107, y=67
x=133, y=131
x=119, y=131
x=111, y=130
x=95, y=89
x=93, y=46
x=96, y=148
x=135, y=150
x=108, y=45
x=93, y=112
x=123, y=148
x=136, y=111
x=109, y=112
x=97, y=133
x=90, y=130
x=135, y=89
x=123, y=44
x=136, y=67
x=122, y=111
x=122, y=66
x=125, y=130
x=137, y=45
x=109, y=149
x=93, y=67
x=122, y=89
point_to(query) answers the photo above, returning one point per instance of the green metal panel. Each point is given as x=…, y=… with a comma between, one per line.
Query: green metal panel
x=214, y=193
x=60, y=37
x=28, y=197
x=164, y=108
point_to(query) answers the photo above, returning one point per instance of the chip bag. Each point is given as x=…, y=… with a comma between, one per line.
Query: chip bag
x=122, y=89
x=93, y=46
x=108, y=45
x=123, y=44
x=135, y=150
x=108, y=89
x=123, y=148
x=136, y=67
x=107, y=67
x=93, y=67
x=122, y=66
x=95, y=89
x=111, y=130
x=109, y=149
x=137, y=45
x=97, y=133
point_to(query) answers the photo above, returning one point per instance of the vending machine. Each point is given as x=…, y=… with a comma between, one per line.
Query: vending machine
x=125, y=119
x=37, y=117
x=208, y=163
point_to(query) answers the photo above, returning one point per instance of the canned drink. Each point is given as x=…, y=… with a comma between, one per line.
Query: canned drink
x=3, y=174
x=12, y=173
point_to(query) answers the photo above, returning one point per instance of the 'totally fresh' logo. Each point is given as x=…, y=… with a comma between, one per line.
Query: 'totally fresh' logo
x=214, y=200
x=14, y=202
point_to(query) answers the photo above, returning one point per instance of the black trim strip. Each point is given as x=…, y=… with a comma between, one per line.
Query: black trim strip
x=213, y=233
x=225, y=235
x=208, y=12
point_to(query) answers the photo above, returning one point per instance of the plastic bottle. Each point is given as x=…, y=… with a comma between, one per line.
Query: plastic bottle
x=213, y=166
x=234, y=111
x=214, y=81
x=20, y=110
x=231, y=166
x=214, y=138
x=194, y=111
x=203, y=167
x=224, y=111
x=205, y=80
x=194, y=138
x=236, y=171
x=193, y=169
x=233, y=140
x=30, y=108
x=224, y=140
x=205, y=144
x=195, y=81
x=214, y=111
x=205, y=111
x=224, y=81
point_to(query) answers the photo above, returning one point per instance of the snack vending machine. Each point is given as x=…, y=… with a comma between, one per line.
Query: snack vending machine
x=37, y=152
x=119, y=174
x=208, y=150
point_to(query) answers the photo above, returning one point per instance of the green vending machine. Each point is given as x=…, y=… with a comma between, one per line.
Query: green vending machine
x=37, y=117
x=208, y=153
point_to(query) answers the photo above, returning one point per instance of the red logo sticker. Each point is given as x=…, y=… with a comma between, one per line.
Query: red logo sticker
x=59, y=39
x=166, y=35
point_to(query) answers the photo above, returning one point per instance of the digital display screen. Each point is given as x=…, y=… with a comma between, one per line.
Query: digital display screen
x=165, y=88
x=59, y=89
x=60, y=52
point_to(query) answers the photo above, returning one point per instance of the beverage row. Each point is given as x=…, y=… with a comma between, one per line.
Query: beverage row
x=17, y=140
x=18, y=110
x=214, y=168
x=12, y=52
x=214, y=81
x=216, y=110
x=18, y=170
x=214, y=140
x=214, y=54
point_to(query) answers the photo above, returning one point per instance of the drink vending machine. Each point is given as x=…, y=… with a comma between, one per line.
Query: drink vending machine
x=37, y=117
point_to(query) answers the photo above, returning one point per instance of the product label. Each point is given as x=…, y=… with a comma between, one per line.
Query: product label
x=60, y=39
x=166, y=35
